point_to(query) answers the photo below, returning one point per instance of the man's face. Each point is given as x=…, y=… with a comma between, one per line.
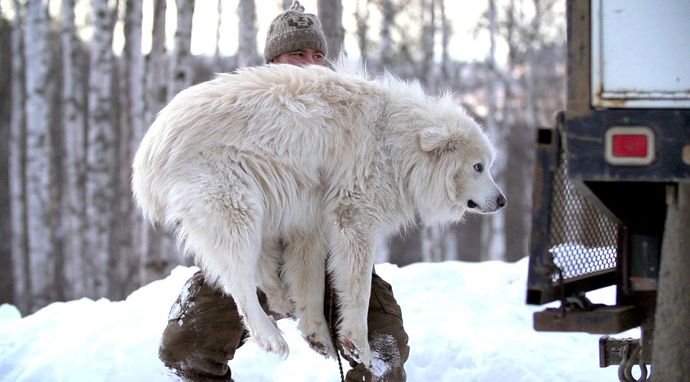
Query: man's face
x=302, y=57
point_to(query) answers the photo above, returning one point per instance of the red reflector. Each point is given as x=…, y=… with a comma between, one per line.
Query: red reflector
x=636, y=146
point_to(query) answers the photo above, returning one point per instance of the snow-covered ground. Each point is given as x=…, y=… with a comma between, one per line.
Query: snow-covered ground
x=466, y=321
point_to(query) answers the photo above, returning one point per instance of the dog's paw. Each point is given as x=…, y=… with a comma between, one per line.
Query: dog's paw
x=279, y=302
x=316, y=333
x=268, y=337
x=323, y=347
x=273, y=344
x=357, y=348
x=281, y=305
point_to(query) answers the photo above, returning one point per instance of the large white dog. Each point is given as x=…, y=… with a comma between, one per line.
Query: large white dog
x=321, y=161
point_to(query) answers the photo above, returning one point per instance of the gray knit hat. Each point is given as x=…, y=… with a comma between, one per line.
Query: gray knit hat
x=294, y=30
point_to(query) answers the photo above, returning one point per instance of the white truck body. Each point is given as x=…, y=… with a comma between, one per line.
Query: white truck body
x=631, y=64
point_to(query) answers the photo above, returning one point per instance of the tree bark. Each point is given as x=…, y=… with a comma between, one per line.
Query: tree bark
x=331, y=16
x=362, y=20
x=132, y=129
x=41, y=196
x=74, y=125
x=6, y=277
x=17, y=162
x=157, y=66
x=428, y=40
x=154, y=262
x=493, y=241
x=219, y=23
x=446, y=31
x=388, y=10
x=432, y=244
x=247, y=54
x=180, y=64
x=102, y=151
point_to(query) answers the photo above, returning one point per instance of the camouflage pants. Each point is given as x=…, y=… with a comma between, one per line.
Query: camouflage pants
x=205, y=329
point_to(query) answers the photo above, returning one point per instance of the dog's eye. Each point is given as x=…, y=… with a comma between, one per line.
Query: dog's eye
x=478, y=167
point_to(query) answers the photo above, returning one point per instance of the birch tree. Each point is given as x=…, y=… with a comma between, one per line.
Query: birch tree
x=157, y=65
x=362, y=20
x=17, y=167
x=446, y=32
x=180, y=63
x=132, y=130
x=388, y=12
x=6, y=278
x=41, y=197
x=518, y=137
x=154, y=263
x=331, y=16
x=102, y=149
x=246, y=49
x=74, y=125
x=492, y=230
x=428, y=40
x=219, y=24
x=432, y=244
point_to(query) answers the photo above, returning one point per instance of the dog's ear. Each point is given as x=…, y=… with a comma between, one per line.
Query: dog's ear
x=437, y=139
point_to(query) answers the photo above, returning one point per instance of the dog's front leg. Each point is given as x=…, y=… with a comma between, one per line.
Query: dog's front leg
x=351, y=263
x=270, y=264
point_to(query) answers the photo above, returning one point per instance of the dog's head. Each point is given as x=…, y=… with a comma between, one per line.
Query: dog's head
x=459, y=158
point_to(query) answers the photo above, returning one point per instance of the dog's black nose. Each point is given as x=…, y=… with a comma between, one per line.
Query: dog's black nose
x=471, y=204
x=501, y=201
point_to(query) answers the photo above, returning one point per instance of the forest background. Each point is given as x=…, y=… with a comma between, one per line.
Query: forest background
x=81, y=80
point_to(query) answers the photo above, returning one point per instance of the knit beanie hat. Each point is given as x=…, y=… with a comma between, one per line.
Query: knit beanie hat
x=294, y=30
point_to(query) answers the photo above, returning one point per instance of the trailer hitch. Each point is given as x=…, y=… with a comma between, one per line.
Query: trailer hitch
x=626, y=353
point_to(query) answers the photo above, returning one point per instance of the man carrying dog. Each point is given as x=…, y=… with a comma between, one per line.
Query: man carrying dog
x=205, y=328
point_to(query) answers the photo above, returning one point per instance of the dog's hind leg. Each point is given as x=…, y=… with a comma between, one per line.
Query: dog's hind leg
x=223, y=230
x=351, y=261
x=304, y=272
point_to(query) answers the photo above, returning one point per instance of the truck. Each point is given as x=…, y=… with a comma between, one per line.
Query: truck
x=611, y=188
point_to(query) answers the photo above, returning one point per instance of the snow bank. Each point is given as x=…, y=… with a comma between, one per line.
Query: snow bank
x=466, y=321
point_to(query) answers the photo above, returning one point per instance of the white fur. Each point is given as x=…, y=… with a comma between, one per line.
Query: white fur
x=323, y=161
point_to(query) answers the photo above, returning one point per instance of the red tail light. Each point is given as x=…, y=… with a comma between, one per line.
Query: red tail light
x=630, y=145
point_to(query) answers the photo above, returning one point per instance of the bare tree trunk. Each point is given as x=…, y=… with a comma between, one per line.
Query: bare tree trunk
x=388, y=10
x=428, y=40
x=518, y=137
x=219, y=24
x=180, y=65
x=41, y=197
x=74, y=124
x=131, y=133
x=247, y=54
x=445, y=41
x=6, y=277
x=102, y=150
x=20, y=239
x=492, y=230
x=450, y=244
x=157, y=93
x=154, y=263
x=331, y=16
x=362, y=20
x=432, y=244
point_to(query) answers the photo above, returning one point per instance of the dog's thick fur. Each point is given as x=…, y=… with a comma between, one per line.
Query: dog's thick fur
x=266, y=171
